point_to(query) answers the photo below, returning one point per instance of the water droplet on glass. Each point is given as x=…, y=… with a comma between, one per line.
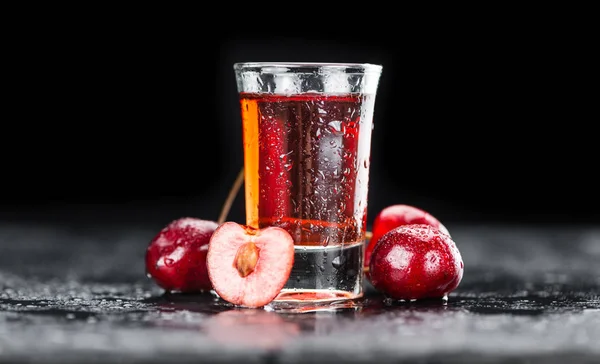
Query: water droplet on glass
x=335, y=126
x=338, y=262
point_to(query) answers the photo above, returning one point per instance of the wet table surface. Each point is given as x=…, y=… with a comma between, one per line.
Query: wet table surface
x=78, y=294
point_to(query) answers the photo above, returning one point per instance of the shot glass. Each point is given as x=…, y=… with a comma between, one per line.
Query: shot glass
x=307, y=139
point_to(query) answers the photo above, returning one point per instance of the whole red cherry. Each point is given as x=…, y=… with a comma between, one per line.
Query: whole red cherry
x=393, y=216
x=416, y=261
x=176, y=256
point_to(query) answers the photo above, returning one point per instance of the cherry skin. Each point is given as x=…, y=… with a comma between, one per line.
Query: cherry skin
x=176, y=256
x=416, y=261
x=393, y=216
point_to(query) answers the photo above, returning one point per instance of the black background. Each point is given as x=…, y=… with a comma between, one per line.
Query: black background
x=133, y=121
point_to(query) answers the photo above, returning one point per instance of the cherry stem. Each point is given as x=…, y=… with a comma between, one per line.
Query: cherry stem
x=231, y=197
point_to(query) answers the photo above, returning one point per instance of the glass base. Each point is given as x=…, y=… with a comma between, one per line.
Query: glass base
x=313, y=300
x=315, y=295
x=325, y=274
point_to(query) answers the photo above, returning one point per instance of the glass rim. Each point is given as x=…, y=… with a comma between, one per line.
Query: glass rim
x=286, y=66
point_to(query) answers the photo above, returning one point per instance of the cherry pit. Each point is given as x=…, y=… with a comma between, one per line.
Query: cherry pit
x=410, y=255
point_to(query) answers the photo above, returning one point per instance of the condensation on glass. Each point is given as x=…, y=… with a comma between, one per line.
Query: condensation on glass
x=307, y=138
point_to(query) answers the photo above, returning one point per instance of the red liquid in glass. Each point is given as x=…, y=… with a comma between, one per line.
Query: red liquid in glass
x=306, y=160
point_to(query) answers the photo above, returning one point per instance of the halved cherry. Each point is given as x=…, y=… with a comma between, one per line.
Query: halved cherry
x=248, y=267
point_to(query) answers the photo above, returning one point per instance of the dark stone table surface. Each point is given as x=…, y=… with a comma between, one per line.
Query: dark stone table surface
x=77, y=293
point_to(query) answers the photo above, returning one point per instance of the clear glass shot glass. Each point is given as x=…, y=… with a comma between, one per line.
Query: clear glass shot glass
x=307, y=138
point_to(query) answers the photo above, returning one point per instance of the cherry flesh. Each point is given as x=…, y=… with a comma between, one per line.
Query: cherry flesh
x=248, y=267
